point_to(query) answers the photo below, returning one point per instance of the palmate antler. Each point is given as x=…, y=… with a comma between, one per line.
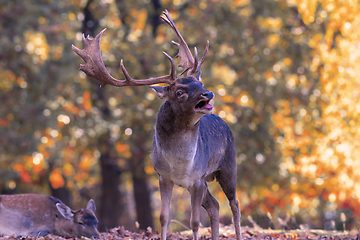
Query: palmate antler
x=187, y=61
x=95, y=67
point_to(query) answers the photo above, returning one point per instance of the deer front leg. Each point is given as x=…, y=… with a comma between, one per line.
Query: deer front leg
x=197, y=193
x=166, y=187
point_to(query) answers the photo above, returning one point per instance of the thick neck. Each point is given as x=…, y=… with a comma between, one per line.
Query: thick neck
x=170, y=123
x=65, y=227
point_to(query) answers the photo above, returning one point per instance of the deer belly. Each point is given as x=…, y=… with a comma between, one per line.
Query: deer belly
x=14, y=223
x=182, y=181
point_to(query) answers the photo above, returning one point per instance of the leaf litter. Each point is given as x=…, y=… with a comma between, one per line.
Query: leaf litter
x=226, y=232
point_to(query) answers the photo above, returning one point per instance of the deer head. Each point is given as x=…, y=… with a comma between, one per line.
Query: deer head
x=187, y=97
x=80, y=223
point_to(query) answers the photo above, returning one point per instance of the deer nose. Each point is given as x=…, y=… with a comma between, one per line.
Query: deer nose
x=208, y=95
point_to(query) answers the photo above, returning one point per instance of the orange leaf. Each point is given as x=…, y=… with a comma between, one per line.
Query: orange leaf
x=56, y=179
x=25, y=176
x=18, y=167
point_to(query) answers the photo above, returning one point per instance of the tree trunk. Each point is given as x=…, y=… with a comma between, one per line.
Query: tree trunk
x=111, y=204
x=111, y=200
x=142, y=193
x=62, y=194
x=154, y=18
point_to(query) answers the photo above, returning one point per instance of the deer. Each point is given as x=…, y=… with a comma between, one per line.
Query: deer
x=191, y=146
x=38, y=215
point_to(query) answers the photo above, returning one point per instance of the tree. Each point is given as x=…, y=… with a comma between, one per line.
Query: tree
x=326, y=130
x=284, y=76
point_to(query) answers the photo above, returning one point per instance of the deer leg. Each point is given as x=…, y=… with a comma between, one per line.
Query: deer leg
x=234, y=205
x=197, y=195
x=212, y=207
x=166, y=187
x=227, y=182
x=39, y=233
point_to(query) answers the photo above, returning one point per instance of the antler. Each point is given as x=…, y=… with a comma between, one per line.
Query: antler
x=94, y=66
x=187, y=61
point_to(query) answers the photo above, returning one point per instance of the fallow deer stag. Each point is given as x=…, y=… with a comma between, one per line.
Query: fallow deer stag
x=190, y=146
x=38, y=215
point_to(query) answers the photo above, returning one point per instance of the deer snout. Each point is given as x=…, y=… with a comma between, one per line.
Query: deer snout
x=96, y=235
x=209, y=95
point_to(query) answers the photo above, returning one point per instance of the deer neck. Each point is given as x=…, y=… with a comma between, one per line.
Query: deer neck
x=176, y=147
x=170, y=123
x=175, y=137
x=64, y=227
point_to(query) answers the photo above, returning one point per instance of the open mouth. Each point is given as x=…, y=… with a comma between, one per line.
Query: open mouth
x=204, y=105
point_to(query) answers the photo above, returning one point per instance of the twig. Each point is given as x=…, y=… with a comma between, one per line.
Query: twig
x=180, y=223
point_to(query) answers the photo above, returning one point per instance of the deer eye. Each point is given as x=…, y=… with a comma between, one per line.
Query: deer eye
x=81, y=223
x=179, y=93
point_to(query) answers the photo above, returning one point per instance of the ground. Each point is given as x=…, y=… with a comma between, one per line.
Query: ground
x=225, y=233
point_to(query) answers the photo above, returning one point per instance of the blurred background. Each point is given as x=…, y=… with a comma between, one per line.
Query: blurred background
x=284, y=72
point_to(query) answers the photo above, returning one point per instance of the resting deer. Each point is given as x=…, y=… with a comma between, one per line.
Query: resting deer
x=39, y=215
x=190, y=146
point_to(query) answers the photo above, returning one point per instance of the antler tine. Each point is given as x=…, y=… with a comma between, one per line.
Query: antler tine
x=193, y=70
x=95, y=67
x=187, y=60
x=204, y=55
x=125, y=72
x=165, y=79
x=172, y=70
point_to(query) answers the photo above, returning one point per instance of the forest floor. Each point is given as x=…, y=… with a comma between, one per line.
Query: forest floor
x=225, y=233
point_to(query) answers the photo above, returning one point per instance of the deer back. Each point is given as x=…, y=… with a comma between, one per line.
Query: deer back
x=219, y=141
x=39, y=215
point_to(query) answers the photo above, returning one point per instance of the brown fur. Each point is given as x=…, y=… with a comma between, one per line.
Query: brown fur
x=38, y=215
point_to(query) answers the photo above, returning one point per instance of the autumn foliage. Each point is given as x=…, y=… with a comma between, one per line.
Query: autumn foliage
x=284, y=72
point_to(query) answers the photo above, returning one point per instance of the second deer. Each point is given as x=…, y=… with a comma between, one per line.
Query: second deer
x=38, y=215
x=191, y=146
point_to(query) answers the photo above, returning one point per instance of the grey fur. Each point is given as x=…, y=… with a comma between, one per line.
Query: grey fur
x=190, y=147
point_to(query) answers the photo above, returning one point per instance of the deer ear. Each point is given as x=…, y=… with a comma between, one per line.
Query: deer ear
x=198, y=77
x=160, y=91
x=65, y=211
x=91, y=205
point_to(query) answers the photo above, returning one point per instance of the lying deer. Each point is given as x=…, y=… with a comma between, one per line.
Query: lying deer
x=39, y=215
x=190, y=146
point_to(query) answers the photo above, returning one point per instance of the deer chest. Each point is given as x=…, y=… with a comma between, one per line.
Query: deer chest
x=182, y=164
